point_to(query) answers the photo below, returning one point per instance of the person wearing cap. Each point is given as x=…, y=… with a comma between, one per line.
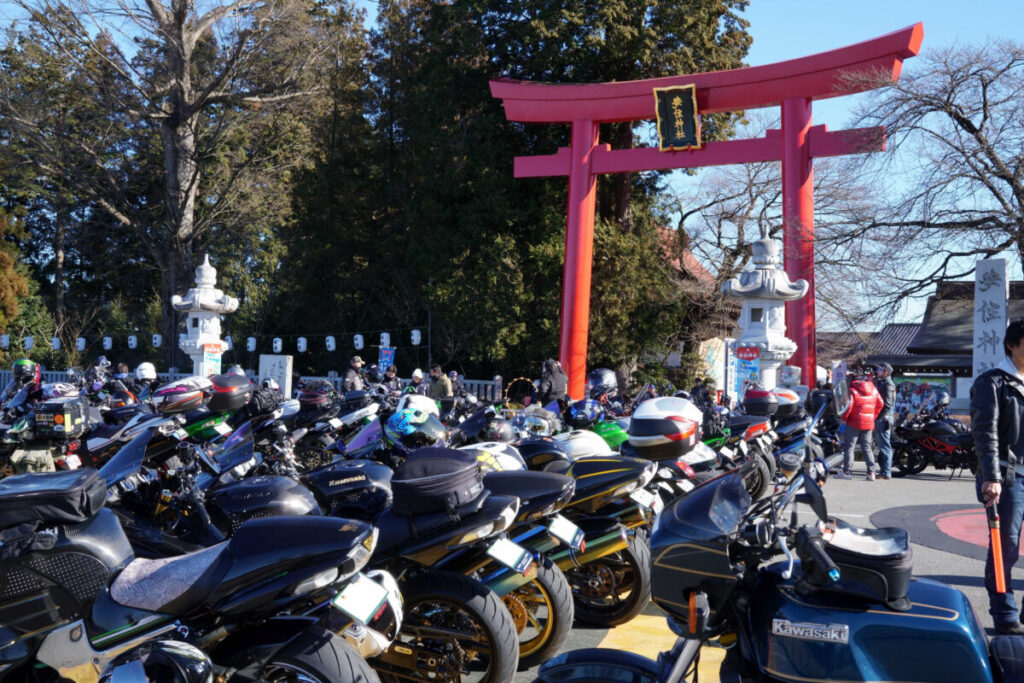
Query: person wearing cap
x=457, y=388
x=391, y=380
x=883, y=423
x=418, y=386
x=353, y=380
x=440, y=385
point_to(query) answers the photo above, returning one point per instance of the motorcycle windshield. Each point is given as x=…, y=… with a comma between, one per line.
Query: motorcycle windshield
x=238, y=448
x=128, y=460
x=708, y=512
x=367, y=435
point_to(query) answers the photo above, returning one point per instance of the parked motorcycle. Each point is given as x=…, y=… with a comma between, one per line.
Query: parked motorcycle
x=932, y=439
x=78, y=605
x=840, y=605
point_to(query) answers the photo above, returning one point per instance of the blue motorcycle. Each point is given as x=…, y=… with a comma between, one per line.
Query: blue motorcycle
x=840, y=604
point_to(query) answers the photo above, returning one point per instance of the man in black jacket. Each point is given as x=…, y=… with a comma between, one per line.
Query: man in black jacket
x=997, y=409
x=883, y=423
x=553, y=382
x=353, y=380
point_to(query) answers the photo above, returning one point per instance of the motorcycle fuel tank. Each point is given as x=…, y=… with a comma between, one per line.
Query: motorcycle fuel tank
x=358, y=489
x=266, y=496
x=819, y=637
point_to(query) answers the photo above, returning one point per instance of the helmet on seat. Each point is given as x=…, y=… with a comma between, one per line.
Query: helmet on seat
x=411, y=428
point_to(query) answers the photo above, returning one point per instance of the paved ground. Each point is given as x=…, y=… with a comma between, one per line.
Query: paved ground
x=947, y=528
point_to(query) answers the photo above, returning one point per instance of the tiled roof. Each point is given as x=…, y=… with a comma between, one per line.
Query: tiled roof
x=893, y=339
x=948, y=326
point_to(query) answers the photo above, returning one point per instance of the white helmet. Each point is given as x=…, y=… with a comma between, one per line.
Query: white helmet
x=145, y=372
x=417, y=374
x=418, y=402
x=582, y=443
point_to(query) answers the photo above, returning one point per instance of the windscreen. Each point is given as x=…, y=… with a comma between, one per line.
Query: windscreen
x=237, y=449
x=128, y=460
x=709, y=511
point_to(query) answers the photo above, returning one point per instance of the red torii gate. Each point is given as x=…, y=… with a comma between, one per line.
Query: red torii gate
x=793, y=84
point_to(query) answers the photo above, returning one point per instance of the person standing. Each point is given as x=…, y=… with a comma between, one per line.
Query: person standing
x=553, y=383
x=418, y=386
x=859, y=418
x=883, y=425
x=391, y=380
x=457, y=388
x=997, y=410
x=440, y=385
x=353, y=380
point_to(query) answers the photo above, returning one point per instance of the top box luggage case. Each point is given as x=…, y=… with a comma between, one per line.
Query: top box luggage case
x=760, y=402
x=665, y=428
x=435, y=480
x=62, y=418
x=230, y=392
x=182, y=395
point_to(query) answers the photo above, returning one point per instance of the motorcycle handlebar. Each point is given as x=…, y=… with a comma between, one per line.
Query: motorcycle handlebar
x=815, y=547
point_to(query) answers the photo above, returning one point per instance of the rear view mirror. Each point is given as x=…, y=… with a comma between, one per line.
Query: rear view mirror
x=813, y=496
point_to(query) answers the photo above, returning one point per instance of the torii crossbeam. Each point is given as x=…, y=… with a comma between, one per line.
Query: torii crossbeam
x=792, y=84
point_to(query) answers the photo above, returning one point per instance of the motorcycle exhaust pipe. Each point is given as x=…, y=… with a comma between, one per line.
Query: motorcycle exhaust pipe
x=597, y=548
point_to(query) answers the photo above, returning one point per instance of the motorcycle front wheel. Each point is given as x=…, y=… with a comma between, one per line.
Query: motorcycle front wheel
x=613, y=589
x=907, y=461
x=598, y=666
x=318, y=656
x=464, y=622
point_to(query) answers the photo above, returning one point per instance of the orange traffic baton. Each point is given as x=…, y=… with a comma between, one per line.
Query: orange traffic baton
x=997, y=548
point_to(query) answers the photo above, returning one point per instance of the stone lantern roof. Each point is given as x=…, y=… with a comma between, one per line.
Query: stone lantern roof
x=204, y=297
x=766, y=280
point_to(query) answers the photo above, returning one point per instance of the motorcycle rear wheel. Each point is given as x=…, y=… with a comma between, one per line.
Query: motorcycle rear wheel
x=453, y=603
x=543, y=613
x=613, y=589
x=318, y=656
x=759, y=479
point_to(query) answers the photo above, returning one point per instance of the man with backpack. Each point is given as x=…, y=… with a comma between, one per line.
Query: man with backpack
x=859, y=418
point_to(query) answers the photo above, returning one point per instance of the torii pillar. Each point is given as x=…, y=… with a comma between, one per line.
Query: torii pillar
x=792, y=85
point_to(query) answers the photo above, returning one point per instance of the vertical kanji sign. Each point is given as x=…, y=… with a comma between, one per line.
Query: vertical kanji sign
x=678, y=118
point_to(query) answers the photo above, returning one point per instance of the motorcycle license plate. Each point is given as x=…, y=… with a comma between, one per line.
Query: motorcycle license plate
x=511, y=554
x=335, y=423
x=221, y=428
x=647, y=500
x=686, y=485
x=361, y=598
x=566, y=532
x=180, y=434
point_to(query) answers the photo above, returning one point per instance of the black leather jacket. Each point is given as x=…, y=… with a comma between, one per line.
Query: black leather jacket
x=887, y=390
x=997, y=404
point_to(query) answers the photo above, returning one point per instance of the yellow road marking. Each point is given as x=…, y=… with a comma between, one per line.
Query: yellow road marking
x=647, y=635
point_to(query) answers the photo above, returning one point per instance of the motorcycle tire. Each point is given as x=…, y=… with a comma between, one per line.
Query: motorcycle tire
x=543, y=612
x=321, y=656
x=461, y=604
x=315, y=453
x=907, y=461
x=599, y=666
x=759, y=480
x=598, y=586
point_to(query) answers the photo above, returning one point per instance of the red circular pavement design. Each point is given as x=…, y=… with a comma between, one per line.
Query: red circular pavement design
x=969, y=526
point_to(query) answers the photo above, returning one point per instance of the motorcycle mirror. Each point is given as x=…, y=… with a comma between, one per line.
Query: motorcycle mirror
x=813, y=496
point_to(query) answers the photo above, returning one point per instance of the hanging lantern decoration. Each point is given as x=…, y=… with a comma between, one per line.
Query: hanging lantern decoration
x=108, y=343
x=331, y=344
x=250, y=344
x=133, y=341
x=385, y=339
x=416, y=337
x=80, y=344
x=229, y=343
x=29, y=342
x=55, y=344
x=158, y=339
x=278, y=345
x=358, y=341
x=301, y=344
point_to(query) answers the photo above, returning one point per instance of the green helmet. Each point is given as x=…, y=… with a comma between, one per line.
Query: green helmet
x=25, y=371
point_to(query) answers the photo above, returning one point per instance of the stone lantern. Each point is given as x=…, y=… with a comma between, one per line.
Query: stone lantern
x=204, y=304
x=764, y=291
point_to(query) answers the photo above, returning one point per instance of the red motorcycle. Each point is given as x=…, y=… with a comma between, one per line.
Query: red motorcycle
x=932, y=439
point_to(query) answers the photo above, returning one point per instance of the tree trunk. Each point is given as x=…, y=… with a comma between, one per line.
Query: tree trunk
x=622, y=137
x=58, y=275
x=175, y=266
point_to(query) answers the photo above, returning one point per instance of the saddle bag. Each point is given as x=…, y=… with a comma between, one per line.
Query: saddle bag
x=874, y=564
x=435, y=480
x=51, y=498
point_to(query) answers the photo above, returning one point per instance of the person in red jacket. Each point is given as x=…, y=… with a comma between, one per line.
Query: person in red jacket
x=865, y=406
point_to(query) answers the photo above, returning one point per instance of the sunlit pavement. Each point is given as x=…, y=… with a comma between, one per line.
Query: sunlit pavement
x=947, y=529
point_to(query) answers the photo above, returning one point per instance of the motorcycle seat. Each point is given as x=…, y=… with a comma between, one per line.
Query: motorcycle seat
x=180, y=585
x=396, y=530
x=740, y=423
x=193, y=416
x=790, y=428
x=172, y=585
x=105, y=431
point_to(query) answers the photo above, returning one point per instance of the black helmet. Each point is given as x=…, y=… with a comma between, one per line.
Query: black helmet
x=25, y=371
x=411, y=428
x=602, y=381
x=499, y=429
x=374, y=374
